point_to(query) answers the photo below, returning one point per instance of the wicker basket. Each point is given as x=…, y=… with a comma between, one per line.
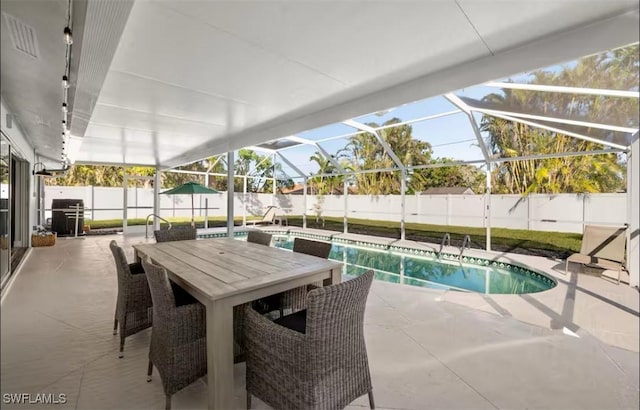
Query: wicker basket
x=43, y=240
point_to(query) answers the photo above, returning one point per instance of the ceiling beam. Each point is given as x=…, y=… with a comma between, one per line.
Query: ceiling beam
x=455, y=100
x=559, y=120
x=385, y=146
x=104, y=24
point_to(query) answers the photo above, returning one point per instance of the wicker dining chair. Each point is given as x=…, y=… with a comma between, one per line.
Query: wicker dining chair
x=176, y=234
x=321, y=365
x=178, y=337
x=295, y=299
x=258, y=237
x=315, y=248
x=133, y=305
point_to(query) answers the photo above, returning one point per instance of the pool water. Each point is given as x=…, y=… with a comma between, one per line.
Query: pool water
x=433, y=273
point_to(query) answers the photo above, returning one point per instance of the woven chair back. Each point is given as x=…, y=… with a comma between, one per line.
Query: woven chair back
x=315, y=248
x=335, y=314
x=258, y=237
x=163, y=300
x=177, y=234
x=122, y=266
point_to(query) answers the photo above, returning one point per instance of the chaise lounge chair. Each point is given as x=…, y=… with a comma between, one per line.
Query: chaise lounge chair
x=602, y=246
x=268, y=218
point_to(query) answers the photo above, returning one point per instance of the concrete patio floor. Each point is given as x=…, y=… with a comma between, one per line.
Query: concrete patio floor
x=427, y=349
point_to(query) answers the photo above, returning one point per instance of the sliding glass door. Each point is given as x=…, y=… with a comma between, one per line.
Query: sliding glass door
x=5, y=189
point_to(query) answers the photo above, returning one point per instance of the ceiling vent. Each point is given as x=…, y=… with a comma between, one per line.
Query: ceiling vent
x=22, y=36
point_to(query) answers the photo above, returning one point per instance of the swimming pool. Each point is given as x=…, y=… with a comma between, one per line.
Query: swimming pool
x=423, y=268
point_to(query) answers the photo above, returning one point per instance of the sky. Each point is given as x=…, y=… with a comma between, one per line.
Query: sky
x=450, y=136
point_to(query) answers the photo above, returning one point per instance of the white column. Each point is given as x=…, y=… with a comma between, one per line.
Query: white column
x=487, y=204
x=346, y=208
x=125, y=189
x=403, y=188
x=273, y=196
x=304, y=211
x=244, y=202
x=93, y=203
x=633, y=204
x=156, y=199
x=230, y=198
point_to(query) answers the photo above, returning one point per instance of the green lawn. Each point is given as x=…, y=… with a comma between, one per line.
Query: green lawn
x=551, y=244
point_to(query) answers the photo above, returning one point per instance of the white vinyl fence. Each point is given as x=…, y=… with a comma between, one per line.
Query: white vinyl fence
x=560, y=213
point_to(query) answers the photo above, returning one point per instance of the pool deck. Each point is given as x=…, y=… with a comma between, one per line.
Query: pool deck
x=572, y=347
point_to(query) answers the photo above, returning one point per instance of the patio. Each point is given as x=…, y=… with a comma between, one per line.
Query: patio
x=426, y=348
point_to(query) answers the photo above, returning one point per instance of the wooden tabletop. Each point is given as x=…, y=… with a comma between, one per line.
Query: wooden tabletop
x=217, y=268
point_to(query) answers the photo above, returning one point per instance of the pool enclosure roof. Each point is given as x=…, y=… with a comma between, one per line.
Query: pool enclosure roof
x=165, y=83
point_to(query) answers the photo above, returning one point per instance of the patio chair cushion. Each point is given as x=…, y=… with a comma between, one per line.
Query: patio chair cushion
x=296, y=321
x=602, y=246
x=268, y=218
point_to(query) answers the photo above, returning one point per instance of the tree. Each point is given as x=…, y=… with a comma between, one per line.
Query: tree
x=85, y=175
x=467, y=176
x=212, y=164
x=329, y=184
x=367, y=154
x=262, y=169
x=589, y=173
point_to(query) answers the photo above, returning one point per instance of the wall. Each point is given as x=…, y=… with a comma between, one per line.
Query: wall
x=561, y=213
x=22, y=147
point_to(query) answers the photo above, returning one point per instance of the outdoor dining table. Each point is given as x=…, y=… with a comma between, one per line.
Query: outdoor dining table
x=223, y=273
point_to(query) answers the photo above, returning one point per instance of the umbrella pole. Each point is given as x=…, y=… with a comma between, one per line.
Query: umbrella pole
x=193, y=225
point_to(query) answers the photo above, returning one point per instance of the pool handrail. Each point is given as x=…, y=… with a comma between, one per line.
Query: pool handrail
x=146, y=224
x=446, y=238
x=465, y=243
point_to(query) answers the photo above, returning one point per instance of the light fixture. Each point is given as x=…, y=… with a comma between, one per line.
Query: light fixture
x=65, y=81
x=42, y=171
x=68, y=39
x=64, y=107
x=64, y=123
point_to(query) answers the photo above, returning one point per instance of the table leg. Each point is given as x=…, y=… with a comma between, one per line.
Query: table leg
x=336, y=277
x=220, y=355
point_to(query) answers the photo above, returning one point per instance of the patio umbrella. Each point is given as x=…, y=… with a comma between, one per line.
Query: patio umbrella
x=190, y=188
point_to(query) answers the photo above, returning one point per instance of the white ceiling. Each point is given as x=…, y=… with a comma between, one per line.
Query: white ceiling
x=190, y=79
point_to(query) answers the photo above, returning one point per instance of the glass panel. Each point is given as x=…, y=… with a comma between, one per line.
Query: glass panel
x=407, y=112
x=328, y=131
x=304, y=157
x=5, y=239
x=451, y=138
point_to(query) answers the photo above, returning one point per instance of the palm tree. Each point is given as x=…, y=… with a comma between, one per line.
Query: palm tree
x=592, y=173
x=328, y=184
x=367, y=153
